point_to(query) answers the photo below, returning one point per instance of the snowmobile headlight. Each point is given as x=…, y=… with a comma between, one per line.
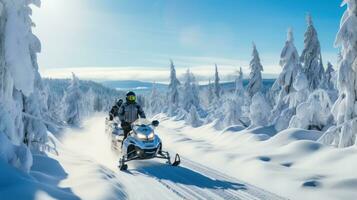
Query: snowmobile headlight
x=151, y=136
x=141, y=136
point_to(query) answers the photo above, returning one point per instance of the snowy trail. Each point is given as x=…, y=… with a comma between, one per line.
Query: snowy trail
x=88, y=151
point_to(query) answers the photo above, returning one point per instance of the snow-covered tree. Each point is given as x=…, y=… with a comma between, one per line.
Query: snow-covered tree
x=210, y=92
x=255, y=77
x=87, y=103
x=330, y=77
x=233, y=109
x=217, y=86
x=289, y=61
x=154, y=101
x=311, y=56
x=173, y=91
x=239, y=88
x=21, y=122
x=72, y=100
x=259, y=110
x=300, y=94
x=315, y=113
x=344, y=109
x=193, y=117
x=190, y=93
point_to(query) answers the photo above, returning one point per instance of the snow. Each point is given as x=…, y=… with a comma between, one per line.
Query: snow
x=289, y=163
x=224, y=135
x=86, y=168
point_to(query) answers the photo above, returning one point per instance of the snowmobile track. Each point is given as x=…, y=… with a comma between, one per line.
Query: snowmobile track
x=220, y=186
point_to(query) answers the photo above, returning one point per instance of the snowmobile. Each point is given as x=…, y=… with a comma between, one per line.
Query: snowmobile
x=142, y=143
x=115, y=133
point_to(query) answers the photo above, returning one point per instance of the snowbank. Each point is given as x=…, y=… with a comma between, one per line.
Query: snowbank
x=289, y=163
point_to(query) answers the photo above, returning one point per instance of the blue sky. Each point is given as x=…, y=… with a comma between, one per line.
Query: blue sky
x=134, y=39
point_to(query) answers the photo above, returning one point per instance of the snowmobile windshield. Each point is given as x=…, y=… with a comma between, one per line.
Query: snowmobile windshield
x=142, y=122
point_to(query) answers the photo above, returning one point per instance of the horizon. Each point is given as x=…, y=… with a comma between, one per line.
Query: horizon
x=128, y=40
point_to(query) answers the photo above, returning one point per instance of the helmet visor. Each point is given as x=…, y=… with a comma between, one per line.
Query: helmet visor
x=131, y=98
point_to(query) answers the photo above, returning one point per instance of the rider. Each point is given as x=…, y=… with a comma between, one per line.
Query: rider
x=115, y=109
x=129, y=112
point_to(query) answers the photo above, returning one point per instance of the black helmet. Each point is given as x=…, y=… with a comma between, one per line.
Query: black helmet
x=130, y=96
x=130, y=93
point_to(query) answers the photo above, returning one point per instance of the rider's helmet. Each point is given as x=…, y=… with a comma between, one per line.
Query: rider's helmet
x=131, y=97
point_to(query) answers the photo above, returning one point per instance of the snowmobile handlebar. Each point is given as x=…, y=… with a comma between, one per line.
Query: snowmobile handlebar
x=155, y=123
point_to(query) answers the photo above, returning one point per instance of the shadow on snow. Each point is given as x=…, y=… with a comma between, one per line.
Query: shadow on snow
x=185, y=176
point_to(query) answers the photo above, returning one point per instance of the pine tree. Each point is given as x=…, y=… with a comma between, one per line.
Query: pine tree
x=193, y=118
x=289, y=61
x=329, y=76
x=173, y=90
x=21, y=124
x=311, y=56
x=190, y=92
x=217, y=87
x=255, y=82
x=239, y=88
x=259, y=110
x=210, y=92
x=155, y=105
x=344, y=110
x=72, y=100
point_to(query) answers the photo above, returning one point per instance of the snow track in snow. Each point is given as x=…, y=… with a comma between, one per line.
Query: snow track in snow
x=149, y=179
x=194, y=181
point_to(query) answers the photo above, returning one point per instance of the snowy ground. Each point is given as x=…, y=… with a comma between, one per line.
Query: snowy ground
x=288, y=164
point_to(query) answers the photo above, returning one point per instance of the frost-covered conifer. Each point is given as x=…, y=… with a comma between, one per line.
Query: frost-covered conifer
x=193, y=117
x=289, y=61
x=173, y=91
x=155, y=104
x=217, y=86
x=210, y=92
x=255, y=77
x=190, y=96
x=20, y=111
x=330, y=77
x=239, y=88
x=311, y=56
x=315, y=113
x=344, y=109
x=259, y=110
x=73, y=98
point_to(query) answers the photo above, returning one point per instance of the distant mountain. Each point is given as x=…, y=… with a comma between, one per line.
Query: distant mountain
x=143, y=87
x=138, y=86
